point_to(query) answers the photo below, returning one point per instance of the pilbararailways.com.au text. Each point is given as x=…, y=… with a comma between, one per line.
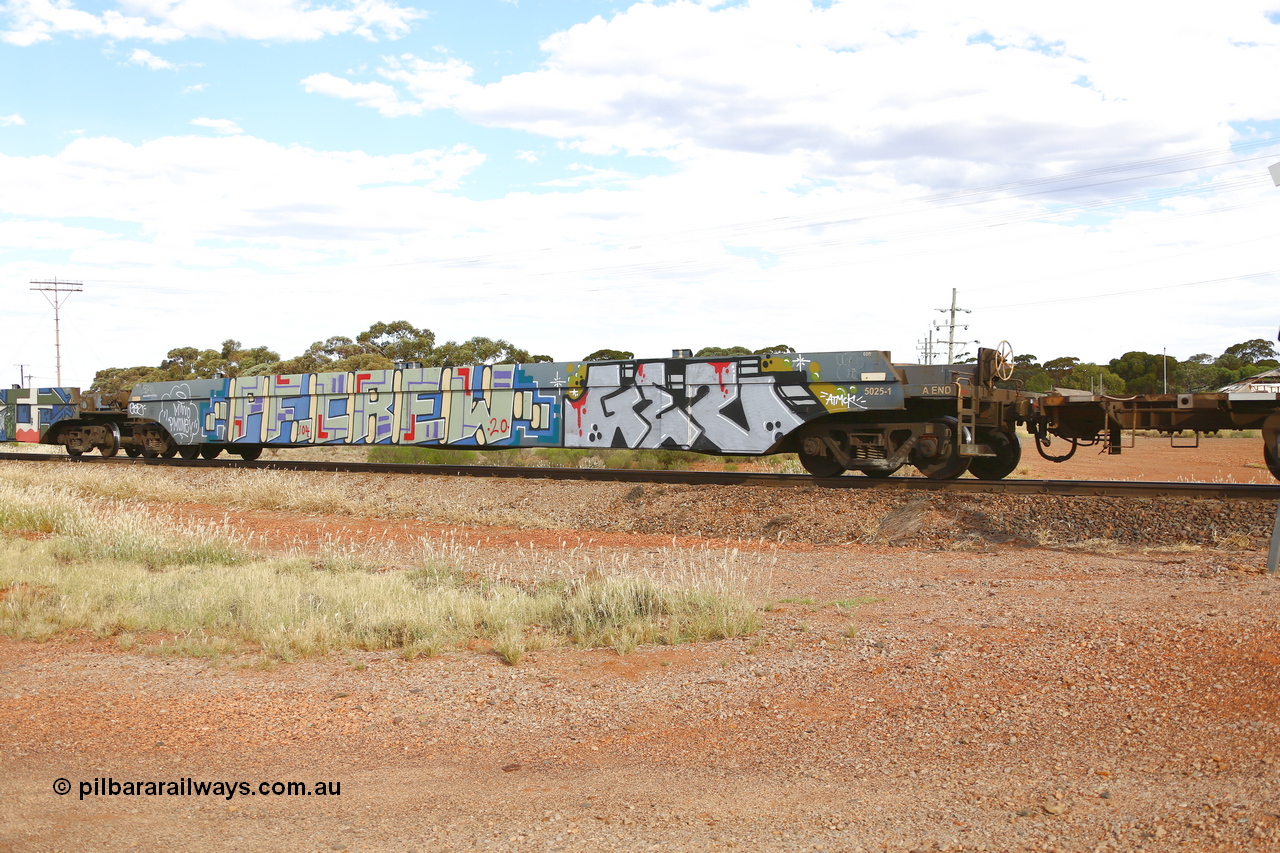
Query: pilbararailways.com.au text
x=188, y=787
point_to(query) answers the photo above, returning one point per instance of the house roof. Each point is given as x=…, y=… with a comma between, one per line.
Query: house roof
x=1267, y=381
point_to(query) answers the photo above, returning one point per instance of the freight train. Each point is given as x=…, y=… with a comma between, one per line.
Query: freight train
x=839, y=411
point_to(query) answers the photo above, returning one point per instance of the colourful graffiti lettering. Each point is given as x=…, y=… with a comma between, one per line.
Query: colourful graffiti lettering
x=27, y=413
x=739, y=404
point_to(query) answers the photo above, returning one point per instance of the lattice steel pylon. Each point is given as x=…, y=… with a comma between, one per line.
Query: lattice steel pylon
x=61, y=291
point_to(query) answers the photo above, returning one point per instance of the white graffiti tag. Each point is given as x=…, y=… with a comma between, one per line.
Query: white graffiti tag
x=181, y=418
x=842, y=400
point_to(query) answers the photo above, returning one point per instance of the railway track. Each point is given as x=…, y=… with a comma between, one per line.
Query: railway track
x=1079, y=488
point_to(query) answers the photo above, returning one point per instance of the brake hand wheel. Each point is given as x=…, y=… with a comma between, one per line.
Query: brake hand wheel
x=1004, y=361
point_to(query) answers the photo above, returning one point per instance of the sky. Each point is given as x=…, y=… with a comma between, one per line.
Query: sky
x=570, y=175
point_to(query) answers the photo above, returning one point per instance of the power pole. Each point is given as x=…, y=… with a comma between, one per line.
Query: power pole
x=951, y=327
x=925, y=348
x=22, y=376
x=61, y=291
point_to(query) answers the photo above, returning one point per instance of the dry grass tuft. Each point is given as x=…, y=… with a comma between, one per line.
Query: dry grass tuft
x=118, y=572
x=1237, y=541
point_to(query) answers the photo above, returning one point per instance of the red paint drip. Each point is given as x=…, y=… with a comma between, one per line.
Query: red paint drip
x=721, y=367
x=579, y=406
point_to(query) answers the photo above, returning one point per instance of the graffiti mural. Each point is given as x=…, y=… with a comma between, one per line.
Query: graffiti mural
x=740, y=404
x=705, y=405
x=27, y=413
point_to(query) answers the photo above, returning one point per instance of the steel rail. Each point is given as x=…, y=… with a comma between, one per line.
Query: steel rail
x=1070, y=488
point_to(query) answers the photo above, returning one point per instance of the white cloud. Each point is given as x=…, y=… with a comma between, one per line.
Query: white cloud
x=150, y=60
x=430, y=85
x=32, y=21
x=235, y=187
x=222, y=125
x=12, y=119
x=195, y=218
x=378, y=96
x=195, y=87
x=585, y=175
x=934, y=92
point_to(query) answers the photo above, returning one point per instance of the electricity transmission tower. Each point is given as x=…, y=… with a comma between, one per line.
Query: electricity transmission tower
x=951, y=327
x=61, y=291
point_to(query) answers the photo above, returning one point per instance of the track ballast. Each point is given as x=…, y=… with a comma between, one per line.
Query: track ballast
x=1085, y=488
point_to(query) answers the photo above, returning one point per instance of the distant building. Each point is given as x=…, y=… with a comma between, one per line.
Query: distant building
x=1265, y=383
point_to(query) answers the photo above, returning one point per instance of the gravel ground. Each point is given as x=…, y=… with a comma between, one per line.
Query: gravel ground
x=807, y=515
x=926, y=679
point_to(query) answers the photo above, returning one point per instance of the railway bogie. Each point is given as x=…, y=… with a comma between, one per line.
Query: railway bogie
x=840, y=411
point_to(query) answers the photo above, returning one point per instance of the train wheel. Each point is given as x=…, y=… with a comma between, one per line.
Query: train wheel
x=75, y=451
x=209, y=451
x=820, y=466
x=945, y=461
x=111, y=448
x=1271, y=444
x=1273, y=462
x=133, y=451
x=1008, y=454
x=188, y=451
x=248, y=454
x=880, y=473
x=170, y=450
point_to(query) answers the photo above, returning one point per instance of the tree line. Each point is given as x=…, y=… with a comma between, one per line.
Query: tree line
x=383, y=345
x=1148, y=373
x=378, y=348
